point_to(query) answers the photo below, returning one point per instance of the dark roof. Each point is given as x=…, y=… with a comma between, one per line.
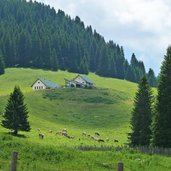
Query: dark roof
x=48, y=84
x=86, y=79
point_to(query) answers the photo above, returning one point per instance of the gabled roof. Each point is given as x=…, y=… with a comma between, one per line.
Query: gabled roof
x=48, y=84
x=85, y=79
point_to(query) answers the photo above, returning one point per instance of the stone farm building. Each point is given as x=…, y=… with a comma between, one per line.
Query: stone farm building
x=79, y=81
x=41, y=84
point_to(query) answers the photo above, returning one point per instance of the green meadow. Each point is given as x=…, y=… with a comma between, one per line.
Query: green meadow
x=105, y=110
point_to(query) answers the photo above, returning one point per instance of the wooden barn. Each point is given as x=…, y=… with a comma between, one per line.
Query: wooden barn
x=41, y=84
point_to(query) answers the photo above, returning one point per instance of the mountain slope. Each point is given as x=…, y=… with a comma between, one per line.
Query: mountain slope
x=34, y=35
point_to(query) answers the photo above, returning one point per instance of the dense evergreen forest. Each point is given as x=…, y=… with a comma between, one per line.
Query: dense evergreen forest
x=35, y=35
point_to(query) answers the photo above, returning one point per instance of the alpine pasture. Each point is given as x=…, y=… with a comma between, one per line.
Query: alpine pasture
x=82, y=112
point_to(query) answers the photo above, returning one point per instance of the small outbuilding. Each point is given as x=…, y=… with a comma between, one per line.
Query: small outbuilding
x=79, y=81
x=41, y=84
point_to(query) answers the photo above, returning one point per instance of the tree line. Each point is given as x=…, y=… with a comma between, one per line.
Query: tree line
x=35, y=35
x=151, y=119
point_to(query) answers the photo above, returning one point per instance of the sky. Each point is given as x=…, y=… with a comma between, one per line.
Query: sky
x=142, y=27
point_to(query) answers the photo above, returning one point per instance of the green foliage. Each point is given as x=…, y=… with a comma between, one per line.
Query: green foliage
x=137, y=69
x=16, y=114
x=35, y=35
x=2, y=64
x=162, y=126
x=141, y=116
x=151, y=78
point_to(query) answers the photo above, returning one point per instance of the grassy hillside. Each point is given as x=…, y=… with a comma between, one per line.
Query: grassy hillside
x=77, y=109
x=25, y=78
x=106, y=111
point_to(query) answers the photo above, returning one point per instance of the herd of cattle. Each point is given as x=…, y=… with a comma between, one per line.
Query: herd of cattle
x=64, y=133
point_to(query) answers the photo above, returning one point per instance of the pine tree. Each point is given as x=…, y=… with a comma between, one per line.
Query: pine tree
x=137, y=68
x=151, y=78
x=16, y=113
x=162, y=122
x=83, y=69
x=2, y=64
x=130, y=74
x=54, y=60
x=141, y=115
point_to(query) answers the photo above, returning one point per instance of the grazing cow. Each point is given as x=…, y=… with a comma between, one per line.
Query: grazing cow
x=84, y=133
x=115, y=140
x=92, y=137
x=50, y=131
x=100, y=140
x=68, y=136
x=41, y=136
x=64, y=134
x=64, y=130
x=96, y=133
x=71, y=137
x=96, y=139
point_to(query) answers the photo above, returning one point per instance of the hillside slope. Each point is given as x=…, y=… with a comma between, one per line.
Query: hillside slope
x=24, y=77
x=106, y=111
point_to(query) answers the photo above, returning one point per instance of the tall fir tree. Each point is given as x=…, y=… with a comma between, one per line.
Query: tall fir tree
x=83, y=69
x=54, y=60
x=130, y=74
x=2, y=64
x=162, y=121
x=151, y=78
x=137, y=68
x=16, y=113
x=141, y=115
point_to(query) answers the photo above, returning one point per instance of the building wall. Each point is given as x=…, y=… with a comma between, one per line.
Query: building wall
x=80, y=80
x=38, y=85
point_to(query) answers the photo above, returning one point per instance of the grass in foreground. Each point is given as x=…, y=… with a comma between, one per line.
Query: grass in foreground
x=38, y=158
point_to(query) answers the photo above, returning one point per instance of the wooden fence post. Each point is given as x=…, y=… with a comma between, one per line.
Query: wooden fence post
x=120, y=166
x=14, y=161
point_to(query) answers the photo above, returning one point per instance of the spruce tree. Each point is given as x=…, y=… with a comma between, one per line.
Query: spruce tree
x=2, y=64
x=83, y=69
x=16, y=113
x=141, y=115
x=130, y=74
x=54, y=60
x=162, y=121
x=151, y=78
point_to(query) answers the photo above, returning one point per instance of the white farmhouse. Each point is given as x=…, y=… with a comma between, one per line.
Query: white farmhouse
x=79, y=81
x=41, y=84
